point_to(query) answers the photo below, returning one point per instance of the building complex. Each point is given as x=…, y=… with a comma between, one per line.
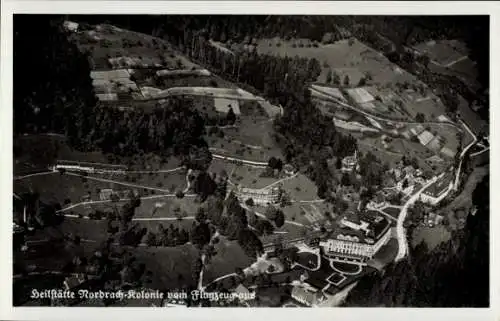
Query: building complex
x=262, y=196
x=357, y=239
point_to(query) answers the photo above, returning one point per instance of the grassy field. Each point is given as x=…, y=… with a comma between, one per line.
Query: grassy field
x=171, y=266
x=171, y=181
x=449, y=134
x=241, y=174
x=249, y=176
x=353, y=59
x=373, y=145
x=92, y=231
x=301, y=188
x=471, y=118
x=55, y=187
x=299, y=212
x=392, y=211
x=164, y=207
x=251, y=139
x=292, y=232
x=229, y=256
x=386, y=254
x=166, y=263
x=429, y=105
x=443, y=52
x=432, y=236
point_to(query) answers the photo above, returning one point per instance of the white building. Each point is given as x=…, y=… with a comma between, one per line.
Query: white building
x=358, y=241
x=259, y=196
x=350, y=163
x=307, y=295
x=70, y=26
x=435, y=193
x=289, y=170
x=73, y=168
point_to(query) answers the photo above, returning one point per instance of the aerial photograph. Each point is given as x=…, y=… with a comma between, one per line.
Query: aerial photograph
x=251, y=161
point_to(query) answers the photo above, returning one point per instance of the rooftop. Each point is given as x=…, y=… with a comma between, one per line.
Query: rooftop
x=425, y=137
x=372, y=225
x=439, y=186
x=266, y=191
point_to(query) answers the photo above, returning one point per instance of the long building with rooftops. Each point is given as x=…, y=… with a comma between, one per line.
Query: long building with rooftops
x=259, y=196
x=357, y=239
x=438, y=190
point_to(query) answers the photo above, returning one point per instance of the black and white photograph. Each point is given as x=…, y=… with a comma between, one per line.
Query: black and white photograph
x=250, y=160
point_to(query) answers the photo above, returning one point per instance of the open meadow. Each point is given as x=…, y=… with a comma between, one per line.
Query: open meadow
x=219, y=265
x=346, y=58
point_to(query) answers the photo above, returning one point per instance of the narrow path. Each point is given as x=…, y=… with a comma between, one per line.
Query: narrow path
x=480, y=152
x=121, y=200
x=279, y=181
x=311, y=201
x=35, y=174
x=118, y=182
x=448, y=65
x=139, y=219
x=105, y=171
x=203, y=258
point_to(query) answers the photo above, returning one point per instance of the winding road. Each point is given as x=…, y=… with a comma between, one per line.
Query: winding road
x=400, y=230
x=462, y=154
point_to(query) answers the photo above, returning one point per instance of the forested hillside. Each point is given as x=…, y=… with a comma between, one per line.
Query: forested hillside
x=52, y=88
x=307, y=137
x=455, y=274
x=53, y=93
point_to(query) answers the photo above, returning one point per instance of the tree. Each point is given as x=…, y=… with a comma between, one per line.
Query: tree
x=420, y=118
x=275, y=163
x=362, y=81
x=264, y=227
x=336, y=79
x=231, y=116
x=345, y=180
x=271, y=213
x=252, y=219
x=346, y=80
x=200, y=234
x=329, y=76
x=201, y=216
x=250, y=243
x=196, y=267
x=204, y=185
x=338, y=163
x=249, y=202
x=404, y=185
x=280, y=219
x=151, y=239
